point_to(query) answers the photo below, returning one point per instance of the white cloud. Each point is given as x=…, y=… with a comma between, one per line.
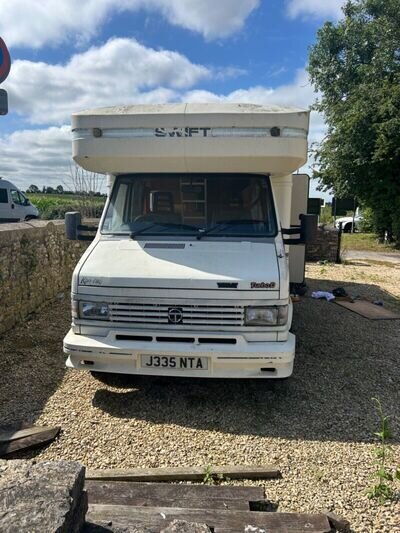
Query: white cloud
x=210, y=17
x=315, y=8
x=299, y=93
x=120, y=71
x=42, y=156
x=39, y=22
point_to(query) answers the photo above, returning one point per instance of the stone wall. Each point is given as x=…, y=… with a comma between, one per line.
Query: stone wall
x=325, y=248
x=36, y=265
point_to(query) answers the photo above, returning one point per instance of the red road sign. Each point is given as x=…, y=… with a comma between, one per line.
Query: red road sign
x=5, y=61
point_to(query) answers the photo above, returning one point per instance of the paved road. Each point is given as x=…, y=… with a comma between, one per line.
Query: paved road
x=392, y=257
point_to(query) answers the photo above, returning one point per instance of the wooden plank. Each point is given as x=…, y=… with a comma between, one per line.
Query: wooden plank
x=184, y=473
x=368, y=310
x=31, y=441
x=192, y=503
x=168, y=490
x=8, y=433
x=167, y=495
x=157, y=518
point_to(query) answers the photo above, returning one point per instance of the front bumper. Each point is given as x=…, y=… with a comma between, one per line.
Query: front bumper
x=240, y=360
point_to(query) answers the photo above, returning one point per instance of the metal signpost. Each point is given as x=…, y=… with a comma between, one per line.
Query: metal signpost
x=5, y=64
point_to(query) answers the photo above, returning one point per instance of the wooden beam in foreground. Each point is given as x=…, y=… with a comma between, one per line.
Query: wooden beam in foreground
x=157, y=518
x=13, y=440
x=196, y=473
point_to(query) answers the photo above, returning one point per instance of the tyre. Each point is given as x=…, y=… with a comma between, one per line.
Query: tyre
x=348, y=227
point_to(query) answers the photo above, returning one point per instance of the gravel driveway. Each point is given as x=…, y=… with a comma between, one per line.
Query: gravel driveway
x=318, y=427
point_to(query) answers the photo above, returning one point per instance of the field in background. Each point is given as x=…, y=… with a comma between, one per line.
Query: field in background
x=364, y=242
x=53, y=206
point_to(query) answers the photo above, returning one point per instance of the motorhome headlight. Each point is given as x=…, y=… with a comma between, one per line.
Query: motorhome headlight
x=266, y=316
x=94, y=310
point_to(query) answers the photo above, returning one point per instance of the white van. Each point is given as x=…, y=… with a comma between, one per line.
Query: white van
x=14, y=205
x=189, y=272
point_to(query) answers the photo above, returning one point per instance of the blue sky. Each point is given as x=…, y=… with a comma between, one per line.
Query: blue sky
x=70, y=55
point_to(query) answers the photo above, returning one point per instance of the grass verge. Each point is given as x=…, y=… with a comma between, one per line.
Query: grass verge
x=365, y=242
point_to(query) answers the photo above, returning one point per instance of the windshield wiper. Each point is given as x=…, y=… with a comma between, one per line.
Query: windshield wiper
x=226, y=224
x=163, y=225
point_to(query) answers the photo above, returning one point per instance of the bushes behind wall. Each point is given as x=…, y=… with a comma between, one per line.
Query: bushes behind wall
x=36, y=264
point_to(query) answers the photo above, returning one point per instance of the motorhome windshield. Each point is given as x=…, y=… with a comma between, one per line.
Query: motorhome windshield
x=215, y=205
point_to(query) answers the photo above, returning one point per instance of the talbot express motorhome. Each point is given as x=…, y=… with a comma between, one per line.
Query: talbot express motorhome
x=189, y=272
x=14, y=206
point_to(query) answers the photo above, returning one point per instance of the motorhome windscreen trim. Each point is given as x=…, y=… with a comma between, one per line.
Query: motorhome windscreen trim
x=191, y=205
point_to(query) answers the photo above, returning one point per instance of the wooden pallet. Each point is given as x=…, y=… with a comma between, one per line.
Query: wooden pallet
x=117, y=505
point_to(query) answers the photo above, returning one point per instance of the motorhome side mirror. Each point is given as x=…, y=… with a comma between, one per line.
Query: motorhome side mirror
x=72, y=221
x=308, y=228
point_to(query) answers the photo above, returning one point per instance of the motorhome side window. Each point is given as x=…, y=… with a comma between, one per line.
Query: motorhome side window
x=3, y=196
x=214, y=205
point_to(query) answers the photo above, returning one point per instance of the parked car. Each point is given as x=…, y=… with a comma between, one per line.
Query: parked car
x=347, y=222
x=14, y=205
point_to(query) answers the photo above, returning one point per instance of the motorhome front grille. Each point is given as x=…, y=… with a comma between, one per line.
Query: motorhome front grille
x=177, y=315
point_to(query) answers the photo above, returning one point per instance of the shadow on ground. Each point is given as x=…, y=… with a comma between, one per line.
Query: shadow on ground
x=342, y=361
x=32, y=364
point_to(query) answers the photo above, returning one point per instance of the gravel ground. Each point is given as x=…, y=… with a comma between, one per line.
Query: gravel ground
x=317, y=427
x=350, y=255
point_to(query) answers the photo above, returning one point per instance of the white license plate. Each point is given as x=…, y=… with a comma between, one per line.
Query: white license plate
x=173, y=362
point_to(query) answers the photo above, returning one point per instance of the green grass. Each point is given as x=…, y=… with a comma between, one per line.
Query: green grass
x=364, y=242
x=56, y=205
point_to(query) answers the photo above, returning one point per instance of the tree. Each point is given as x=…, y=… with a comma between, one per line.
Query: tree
x=60, y=189
x=355, y=66
x=33, y=189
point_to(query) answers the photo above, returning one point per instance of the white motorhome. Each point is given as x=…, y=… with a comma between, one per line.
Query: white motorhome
x=14, y=205
x=189, y=272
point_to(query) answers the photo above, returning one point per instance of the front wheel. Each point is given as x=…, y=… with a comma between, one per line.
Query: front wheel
x=348, y=228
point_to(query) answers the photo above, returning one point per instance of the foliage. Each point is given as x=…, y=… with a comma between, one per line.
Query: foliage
x=326, y=215
x=53, y=206
x=383, y=490
x=210, y=478
x=364, y=241
x=32, y=189
x=85, y=196
x=355, y=66
x=367, y=223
